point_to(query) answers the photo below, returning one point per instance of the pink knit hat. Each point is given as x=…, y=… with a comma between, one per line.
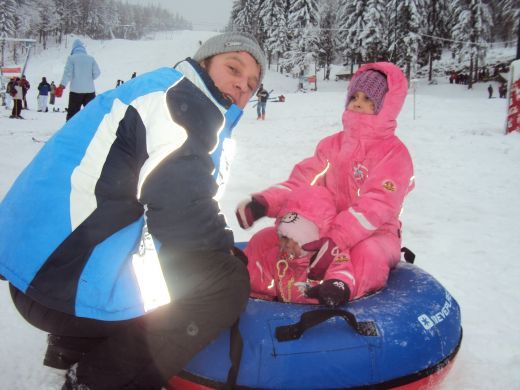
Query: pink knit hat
x=373, y=84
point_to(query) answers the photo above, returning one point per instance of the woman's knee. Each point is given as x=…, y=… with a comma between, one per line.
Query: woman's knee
x=238, y=285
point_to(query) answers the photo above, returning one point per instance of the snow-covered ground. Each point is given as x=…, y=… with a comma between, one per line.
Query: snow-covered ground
x=461, y=220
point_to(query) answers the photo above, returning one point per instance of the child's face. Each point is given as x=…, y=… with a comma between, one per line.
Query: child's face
x=290, y=248
x=359, y=102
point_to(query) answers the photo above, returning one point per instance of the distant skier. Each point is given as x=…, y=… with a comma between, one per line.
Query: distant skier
x=52, y=94
x=490, y=91
x=17, y=95
x=262, y=96
x=24, y=83
x=81, y=70
x=8, y=97
x=502, y=90
x=43, y=95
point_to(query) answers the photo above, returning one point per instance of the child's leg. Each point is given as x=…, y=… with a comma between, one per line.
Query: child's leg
x=261, y=252
x=372, y=260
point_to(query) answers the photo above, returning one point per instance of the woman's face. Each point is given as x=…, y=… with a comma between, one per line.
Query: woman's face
x=359, y=102
x=235, y=74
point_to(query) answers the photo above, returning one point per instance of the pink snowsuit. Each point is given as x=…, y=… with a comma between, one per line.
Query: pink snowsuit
x=272, y=273
x=369, y=171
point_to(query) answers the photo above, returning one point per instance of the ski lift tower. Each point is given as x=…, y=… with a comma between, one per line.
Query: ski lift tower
x=14, y=70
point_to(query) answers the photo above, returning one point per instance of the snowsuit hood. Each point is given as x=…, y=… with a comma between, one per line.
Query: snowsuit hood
x=78, y=47
x=383, y=124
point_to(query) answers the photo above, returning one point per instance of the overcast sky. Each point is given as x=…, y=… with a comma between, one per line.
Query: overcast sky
x=208, y=15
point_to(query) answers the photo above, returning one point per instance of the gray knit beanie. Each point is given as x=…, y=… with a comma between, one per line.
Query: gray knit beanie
x=229, y=42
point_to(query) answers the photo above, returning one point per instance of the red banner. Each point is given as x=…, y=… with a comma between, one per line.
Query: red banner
x=513, y=112
x=12, y=70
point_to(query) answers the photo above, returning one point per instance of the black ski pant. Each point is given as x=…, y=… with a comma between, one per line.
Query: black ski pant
x=76, y=100
x=208, y=291
x=17, y=108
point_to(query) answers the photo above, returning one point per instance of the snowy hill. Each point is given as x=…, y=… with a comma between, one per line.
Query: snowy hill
x=461, y=220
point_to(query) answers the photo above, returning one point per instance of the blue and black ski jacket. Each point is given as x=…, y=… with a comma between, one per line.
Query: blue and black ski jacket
x=153, y=150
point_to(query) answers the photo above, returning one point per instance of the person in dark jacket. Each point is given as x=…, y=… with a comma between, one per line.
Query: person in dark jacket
x=113, y=239
x=502, y=90
x=262, y=96
x=17, y=95
x=44, y=88
x=490, y=91
x=25, y=88
x=80, y=70
x=8, y=95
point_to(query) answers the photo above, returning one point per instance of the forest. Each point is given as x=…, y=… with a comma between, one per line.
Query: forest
x=302, y=36
x=49, y=21
x=299, y=36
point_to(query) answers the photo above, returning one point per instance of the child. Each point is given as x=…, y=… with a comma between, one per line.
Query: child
x=278, y=266
x=17, y=95
x=368, y=171
x=52, y=94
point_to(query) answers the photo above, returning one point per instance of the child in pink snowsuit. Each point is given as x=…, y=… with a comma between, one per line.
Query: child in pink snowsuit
x=368, y=171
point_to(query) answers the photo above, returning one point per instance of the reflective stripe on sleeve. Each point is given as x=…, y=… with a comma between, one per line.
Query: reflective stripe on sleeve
x=361, y=219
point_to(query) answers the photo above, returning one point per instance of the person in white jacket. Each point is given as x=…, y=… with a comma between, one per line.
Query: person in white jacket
x=17, y=95
x=80, y=70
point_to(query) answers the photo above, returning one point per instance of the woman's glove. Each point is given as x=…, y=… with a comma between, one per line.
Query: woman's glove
x=326, y=250
x=250, y=210
x=332, y=292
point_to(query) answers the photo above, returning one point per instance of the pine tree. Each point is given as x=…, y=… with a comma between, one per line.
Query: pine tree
x=7, y=24
x=348, y=27
x=303, y=22
x=68, y=13
x=7, y=12
x=355, y=30
x=406, y=38
x=326, y=41
x=274, y=20
x=47, y=19
x=471, y=32
x=245, y=16
x=436, y=17
x=505, y=19
x=374, y=36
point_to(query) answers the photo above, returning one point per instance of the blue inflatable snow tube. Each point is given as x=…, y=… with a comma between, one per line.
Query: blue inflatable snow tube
x=404, y=333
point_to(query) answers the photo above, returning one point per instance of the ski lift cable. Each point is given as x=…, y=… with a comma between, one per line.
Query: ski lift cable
x=466, y=42
x=312, y=29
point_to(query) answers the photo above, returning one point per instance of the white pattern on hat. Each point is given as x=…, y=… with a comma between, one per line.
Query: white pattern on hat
x=298, y=228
